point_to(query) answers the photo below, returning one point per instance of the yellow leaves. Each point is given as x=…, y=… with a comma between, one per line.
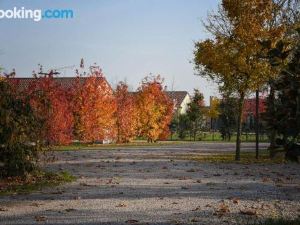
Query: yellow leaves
x=236, y=61
x=213, y=111
x=154, y=109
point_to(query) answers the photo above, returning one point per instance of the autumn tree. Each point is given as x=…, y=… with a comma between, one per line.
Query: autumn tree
x=154, y=109
x=232, y=57
x=51, y=102
x=126, y=115
x=213, y=113
x=94, y=108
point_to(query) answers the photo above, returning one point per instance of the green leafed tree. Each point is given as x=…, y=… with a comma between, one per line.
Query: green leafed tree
x=20, y=133
x=283, y=112
x=195, y=113
x=227, y=117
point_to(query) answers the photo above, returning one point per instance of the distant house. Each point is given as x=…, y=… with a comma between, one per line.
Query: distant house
x=249, y=114
x=181, y=99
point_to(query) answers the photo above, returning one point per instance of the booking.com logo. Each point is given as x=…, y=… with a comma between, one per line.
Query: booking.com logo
x=36, y=14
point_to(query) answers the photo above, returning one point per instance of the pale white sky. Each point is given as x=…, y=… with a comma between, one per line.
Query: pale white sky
x=128, y=38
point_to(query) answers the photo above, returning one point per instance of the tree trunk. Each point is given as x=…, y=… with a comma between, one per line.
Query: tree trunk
x=213, y=129
x=257, y=124
x=239, y=127
x=273, y=131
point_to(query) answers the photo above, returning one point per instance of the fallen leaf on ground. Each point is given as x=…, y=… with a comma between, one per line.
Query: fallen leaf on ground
x=194, y=220
x=70, y=210
x=33, y=204
x=235, y=200
x=40, y=218
x=248, y=212
x=196, y=209
x=132, y=221
x=121, y=205
x=222, y=209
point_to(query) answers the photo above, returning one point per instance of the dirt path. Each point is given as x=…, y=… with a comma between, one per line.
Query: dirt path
x=149, y=186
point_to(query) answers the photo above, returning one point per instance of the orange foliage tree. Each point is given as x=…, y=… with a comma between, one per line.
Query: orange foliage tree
x=154, y=109
x=94, y=108
x=126, y=115
x=50, y=101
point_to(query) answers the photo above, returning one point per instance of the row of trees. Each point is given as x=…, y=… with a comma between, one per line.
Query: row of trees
x=219, y=116
x=241, y=55
x=47, y=112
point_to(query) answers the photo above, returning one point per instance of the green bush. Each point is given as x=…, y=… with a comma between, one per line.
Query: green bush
x=281, y=222
x=20, y=131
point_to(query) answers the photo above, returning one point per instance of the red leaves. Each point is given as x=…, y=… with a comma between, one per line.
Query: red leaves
x=126, y=114
x=50, y=101
x=86, y=109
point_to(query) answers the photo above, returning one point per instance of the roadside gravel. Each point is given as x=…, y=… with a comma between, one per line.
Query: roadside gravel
x=148, y=186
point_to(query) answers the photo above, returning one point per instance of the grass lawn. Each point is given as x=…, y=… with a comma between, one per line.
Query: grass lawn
x=34, y=182
x=136, y=143
x=216, y=136
x=246, y=157
x=281, y=222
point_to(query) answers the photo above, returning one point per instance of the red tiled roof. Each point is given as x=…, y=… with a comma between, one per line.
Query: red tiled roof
x=65, y=82
x=177, y=96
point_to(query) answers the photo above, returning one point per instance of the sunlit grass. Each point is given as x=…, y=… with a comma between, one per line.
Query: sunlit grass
x=246, y=158
x=34, y=182
x=139, y=143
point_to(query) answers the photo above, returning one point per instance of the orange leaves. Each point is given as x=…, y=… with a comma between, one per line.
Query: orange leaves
x=87, y=109
x=94, y=109
x=154, y=109
x=126, y=114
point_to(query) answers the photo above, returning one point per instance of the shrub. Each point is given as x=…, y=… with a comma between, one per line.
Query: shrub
x=20, y=130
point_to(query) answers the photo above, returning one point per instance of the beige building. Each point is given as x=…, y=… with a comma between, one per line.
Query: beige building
x=181, y=100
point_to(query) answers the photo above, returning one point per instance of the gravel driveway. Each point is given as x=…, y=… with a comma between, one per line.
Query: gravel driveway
x=149, y=186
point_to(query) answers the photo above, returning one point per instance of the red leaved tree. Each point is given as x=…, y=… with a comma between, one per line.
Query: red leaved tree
x=94, y=108
x=126, y=114
x=50, y=101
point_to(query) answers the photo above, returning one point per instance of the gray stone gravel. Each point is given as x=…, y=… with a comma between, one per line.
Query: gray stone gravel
x=149, y=185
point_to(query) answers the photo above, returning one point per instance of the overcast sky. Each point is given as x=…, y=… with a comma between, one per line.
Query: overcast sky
x=128, y=39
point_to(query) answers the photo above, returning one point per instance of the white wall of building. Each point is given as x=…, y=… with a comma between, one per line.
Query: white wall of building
x=184, y=105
